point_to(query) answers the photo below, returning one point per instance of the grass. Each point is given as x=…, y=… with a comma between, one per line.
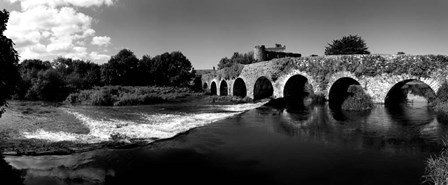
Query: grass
x=436, y=171
x=126, y=95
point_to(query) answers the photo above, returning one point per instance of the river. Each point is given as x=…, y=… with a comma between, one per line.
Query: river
x=237, y=144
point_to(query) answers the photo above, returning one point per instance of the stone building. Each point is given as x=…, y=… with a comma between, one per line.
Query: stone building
x=261, y=53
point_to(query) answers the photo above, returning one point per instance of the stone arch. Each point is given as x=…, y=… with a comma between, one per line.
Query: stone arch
x=338, y=91
x=335, y=77
x=397, y=95
x=297, y=89
x=213, y=88
x=283, y=79
x=223, y=88
x=239, y=88
x=205, y=86
x=263, y=88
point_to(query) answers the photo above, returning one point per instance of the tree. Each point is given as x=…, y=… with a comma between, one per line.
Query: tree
x=171, y=69
x=9, y=59
x=78, y=74
x=9, y=76
x=29, y=70
x=144, y=67
x=348, y=45
x=121, y=69
x=237, y=58
x=49, y=86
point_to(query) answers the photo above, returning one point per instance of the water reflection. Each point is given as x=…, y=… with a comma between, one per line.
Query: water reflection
x=414, y=129
x=70, y=169
x=8, y=174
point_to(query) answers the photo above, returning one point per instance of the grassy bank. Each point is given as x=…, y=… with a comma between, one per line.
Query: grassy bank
x=436, y=171
x=127, y=95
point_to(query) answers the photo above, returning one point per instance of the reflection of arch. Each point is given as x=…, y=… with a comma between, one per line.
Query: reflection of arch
x=399, y=92
x=213, y=88
x=205, y=86
x=338, y=91
x=295, y=90
x=263, y=88
x=223, y=90
x=239, y=88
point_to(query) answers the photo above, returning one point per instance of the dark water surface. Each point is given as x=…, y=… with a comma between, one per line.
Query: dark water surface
x=264, y=146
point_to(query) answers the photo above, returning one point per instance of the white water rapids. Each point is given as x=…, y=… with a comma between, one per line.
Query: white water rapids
x=157, y=126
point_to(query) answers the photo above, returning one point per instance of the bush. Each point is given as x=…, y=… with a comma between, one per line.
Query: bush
x=121, y=96
x=436, y=171
x=231, y=72
x=441, y=101
x=102, y=98
x=358, y=101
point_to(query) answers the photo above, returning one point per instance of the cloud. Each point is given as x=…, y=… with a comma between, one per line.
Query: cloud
x=47, y=29
x=29, y=4
x=101, y=41
x=100, y=58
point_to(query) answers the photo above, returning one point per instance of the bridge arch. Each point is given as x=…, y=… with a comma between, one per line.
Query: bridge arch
x=338, y=91
x=213, y=88
x=296, y=90
x=263, y=88
x=399, y=92
x=205, y=86
x=223, y=88
x=239, y=88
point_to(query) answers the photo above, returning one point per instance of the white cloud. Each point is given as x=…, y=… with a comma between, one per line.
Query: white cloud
x=101, y=41
x=100, y=58
x=46, y=29
x=29, y=4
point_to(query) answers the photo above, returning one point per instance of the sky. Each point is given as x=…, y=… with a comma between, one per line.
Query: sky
x=207, y=30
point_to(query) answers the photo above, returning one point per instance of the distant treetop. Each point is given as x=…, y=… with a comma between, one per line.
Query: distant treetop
x=348, y=45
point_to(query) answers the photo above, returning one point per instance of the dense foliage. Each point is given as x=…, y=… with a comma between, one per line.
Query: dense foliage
x=441, y=101
x=231, y=72
x=122, y=69
x=352, y=44
x=171, y=69
x=42, y=80
x=127, y=95
x=8, y=63
x=54, y=81
x=358, y=100
x=237, y=58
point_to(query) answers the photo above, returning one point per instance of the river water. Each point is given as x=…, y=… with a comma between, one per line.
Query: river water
x=241, y=144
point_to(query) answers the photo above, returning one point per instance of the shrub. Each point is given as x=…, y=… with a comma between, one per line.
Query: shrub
x=120, y=96
x=436, y=170
x=102, y=98
x=358, y=101
x=441, y=101
x=231, y=72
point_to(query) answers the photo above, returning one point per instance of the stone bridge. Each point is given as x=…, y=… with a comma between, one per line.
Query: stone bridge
x=328, y=76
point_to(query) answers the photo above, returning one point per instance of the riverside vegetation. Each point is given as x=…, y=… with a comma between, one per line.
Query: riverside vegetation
x=123, y=80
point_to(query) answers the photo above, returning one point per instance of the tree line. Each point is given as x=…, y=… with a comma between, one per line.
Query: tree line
x=54, y=81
